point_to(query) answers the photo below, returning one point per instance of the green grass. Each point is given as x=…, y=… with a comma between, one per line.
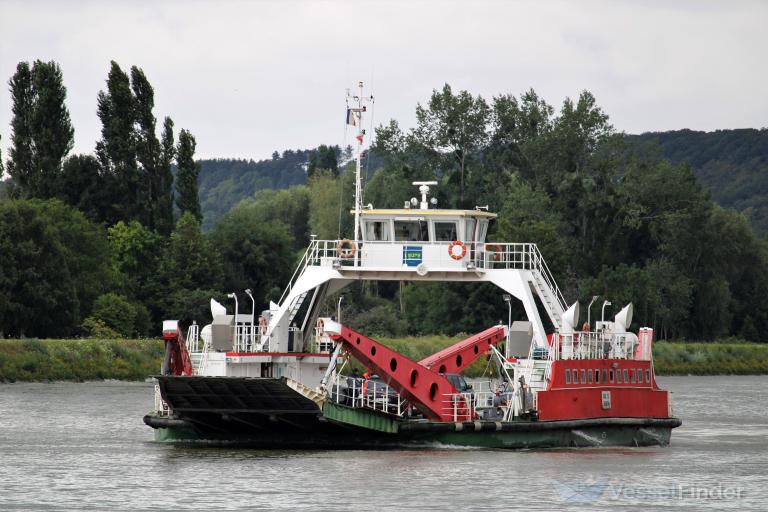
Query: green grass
x=79, y=360
x=718, y=358
x=96, y=359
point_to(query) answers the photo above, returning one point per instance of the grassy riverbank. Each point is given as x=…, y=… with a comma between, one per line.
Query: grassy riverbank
x=93, y=359
x=79, y=360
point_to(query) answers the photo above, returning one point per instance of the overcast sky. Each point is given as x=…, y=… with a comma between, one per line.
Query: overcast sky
x=247, y=78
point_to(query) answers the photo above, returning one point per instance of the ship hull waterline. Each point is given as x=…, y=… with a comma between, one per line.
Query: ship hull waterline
x=265, y=413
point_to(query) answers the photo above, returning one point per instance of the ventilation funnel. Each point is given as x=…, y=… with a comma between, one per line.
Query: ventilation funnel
x=623, y=318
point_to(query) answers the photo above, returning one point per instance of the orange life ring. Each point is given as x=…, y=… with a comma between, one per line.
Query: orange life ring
x=346, y=248
x=494, y=250
x=457, y=243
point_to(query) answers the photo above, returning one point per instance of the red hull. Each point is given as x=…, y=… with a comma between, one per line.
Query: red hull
x=630, y=386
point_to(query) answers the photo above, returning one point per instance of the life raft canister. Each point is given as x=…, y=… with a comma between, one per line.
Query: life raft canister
x=346, y=248
x=457, y=249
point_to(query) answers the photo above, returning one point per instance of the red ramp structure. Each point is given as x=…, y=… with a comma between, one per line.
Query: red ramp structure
x=428, y=391
x=422, y=383
x=457, y=357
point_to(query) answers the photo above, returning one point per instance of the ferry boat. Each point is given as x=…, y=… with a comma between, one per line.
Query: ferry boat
x=281, y=378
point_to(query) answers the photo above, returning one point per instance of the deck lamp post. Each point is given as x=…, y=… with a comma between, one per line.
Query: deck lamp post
x=338, y=308
x=253, y=317
x=234, y=296
x=508, y=299
x=589, y=310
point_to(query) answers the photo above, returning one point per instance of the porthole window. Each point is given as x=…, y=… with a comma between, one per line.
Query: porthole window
x=605, y=376
x=618, y=376
x=648, y=375
x=567, y=376
x=583, y=376
x=639, y=375
x=589, y=376
x=597, y=376
x=626, y=376
x=610, y=375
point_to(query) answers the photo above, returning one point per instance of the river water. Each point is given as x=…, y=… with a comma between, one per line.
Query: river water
x=68, y=446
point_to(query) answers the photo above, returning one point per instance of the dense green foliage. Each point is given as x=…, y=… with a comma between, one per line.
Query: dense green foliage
x=79, y=360
x=52, y=267
x=224, y=183
x=612, y=221
x=730, y=164
x=129, y=177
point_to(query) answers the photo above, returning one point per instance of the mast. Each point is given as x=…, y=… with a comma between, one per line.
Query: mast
x=355, y=118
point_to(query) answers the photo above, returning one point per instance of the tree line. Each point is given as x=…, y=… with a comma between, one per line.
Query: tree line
x=78, y=229
x=730, y=164
x=612, y=219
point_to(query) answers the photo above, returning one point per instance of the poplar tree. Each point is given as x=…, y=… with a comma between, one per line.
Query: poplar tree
x=116, y=150
x=147, y=147
x=164, y=208
x=186, y=176
x=20, y=155
x=52, y=131
x=42, y=129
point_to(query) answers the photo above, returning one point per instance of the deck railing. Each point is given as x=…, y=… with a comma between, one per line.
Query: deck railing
x=368, y=394
x=593, y=345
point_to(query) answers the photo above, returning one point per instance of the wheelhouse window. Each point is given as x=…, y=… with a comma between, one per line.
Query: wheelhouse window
x=446, y=232
x=411, y=231
x=377, y=231
x=469, y=229
x=482, y=230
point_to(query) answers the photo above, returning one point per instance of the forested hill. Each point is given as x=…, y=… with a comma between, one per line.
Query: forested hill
x=224, y=183
x=731, y=164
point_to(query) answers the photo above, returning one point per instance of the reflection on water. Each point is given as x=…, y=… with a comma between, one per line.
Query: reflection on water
x=67, y=446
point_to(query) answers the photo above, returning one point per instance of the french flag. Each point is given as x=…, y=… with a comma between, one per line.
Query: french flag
x=351, y=120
